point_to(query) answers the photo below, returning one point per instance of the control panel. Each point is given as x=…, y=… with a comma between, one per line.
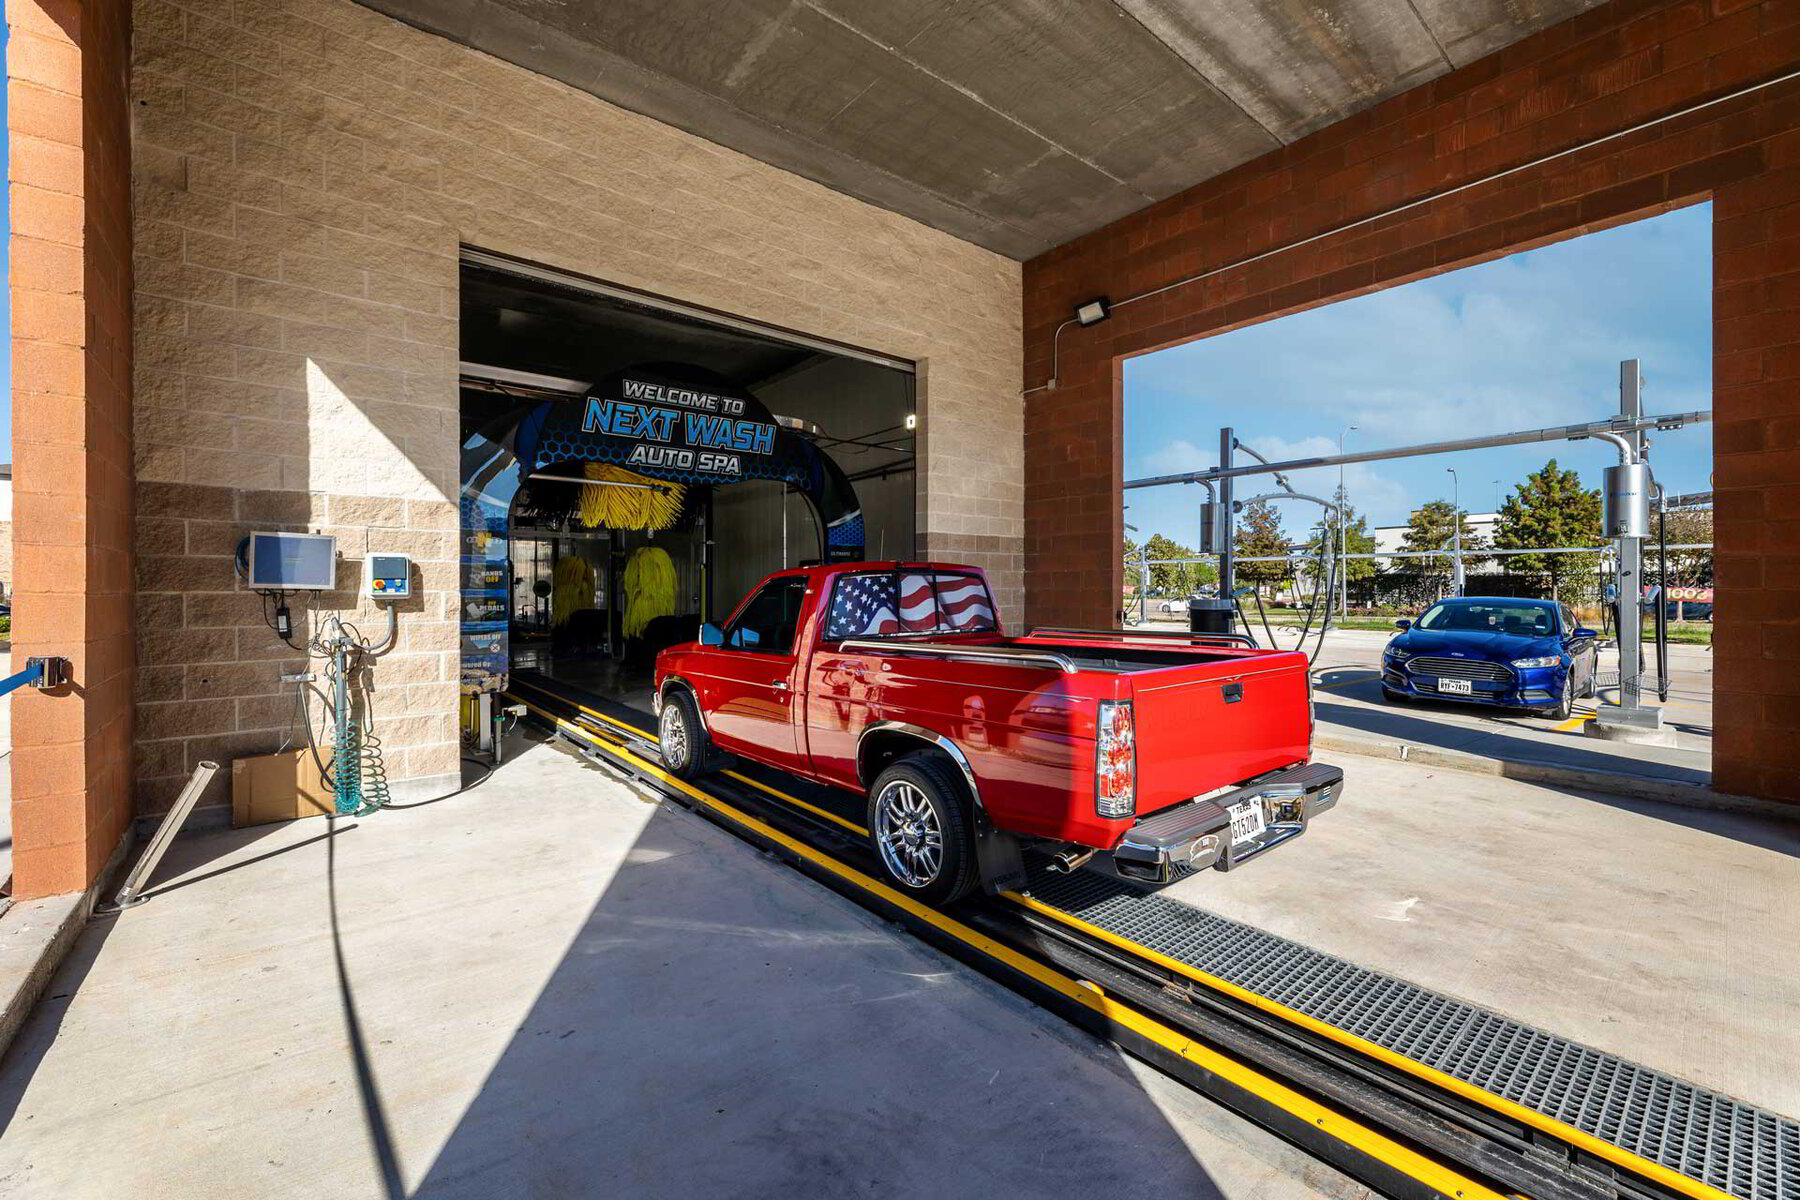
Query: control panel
x=387, y=576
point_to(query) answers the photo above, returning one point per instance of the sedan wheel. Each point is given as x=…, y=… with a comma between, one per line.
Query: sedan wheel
x=1565, y=699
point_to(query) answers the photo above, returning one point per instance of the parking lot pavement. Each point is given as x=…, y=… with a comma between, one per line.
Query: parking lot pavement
x=550, y=986
x=1349, y=705
x=1659, y=933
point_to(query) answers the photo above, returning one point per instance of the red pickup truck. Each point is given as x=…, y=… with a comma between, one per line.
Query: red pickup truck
x=1168, y=752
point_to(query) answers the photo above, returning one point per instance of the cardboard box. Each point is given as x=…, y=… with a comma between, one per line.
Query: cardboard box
x=278, y=787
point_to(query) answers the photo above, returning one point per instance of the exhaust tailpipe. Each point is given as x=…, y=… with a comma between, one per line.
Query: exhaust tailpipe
x=1071, y=858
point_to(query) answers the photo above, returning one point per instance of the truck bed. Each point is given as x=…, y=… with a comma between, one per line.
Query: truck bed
x=1207, y=715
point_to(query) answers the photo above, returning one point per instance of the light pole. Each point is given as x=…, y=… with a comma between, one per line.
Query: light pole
x=1343, y=573
x=1456, y=529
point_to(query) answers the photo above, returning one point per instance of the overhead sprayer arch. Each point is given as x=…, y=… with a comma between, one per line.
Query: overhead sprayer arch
x=665, y=421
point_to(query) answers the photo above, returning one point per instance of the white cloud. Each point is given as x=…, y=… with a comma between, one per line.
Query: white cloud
x=1177, y=457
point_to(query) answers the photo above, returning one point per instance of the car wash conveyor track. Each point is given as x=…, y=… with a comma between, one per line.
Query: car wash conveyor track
x=1412, y=1092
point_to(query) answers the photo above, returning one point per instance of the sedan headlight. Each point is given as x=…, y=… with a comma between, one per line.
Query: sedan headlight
x=1397, y=655
x=1548, y=660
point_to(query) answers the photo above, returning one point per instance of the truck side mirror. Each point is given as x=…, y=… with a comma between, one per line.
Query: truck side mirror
x=1586, y=633
x=711, y=635
x=1403, y=623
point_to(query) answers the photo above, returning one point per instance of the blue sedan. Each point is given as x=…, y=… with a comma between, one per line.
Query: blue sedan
x=1492, y=650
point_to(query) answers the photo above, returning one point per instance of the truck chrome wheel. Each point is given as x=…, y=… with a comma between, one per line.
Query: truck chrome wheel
x=672, y=737
x=906, y=830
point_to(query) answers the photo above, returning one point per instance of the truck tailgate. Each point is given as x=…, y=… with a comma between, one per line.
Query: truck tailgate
x=1204, y=727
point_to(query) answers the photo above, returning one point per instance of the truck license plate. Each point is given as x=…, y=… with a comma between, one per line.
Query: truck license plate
x=1247, y=821
x=1456, y=687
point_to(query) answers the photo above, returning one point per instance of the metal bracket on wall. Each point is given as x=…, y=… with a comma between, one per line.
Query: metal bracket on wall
x=40, y=673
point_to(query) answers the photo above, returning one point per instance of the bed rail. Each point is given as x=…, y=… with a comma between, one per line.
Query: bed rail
x=1163, y=634
x=1005, y=655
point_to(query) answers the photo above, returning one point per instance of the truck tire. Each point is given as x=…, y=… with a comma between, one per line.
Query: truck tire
x=682, y=743
x=920, y=831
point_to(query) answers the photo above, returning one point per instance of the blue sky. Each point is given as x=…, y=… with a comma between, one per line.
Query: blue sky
x=1524, y=342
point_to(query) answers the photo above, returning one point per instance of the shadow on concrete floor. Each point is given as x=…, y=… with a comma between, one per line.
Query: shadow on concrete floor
x=706, y=1034
x=23, y=1056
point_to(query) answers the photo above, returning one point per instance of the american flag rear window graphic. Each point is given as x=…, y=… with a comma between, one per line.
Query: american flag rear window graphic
x=878, y=605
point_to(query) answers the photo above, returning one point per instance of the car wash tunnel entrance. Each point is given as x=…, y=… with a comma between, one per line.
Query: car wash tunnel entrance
x=630, y=467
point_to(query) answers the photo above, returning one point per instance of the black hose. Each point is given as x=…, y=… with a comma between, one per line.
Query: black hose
x=1330, y=590
x=1244, y=621
x=487, y=772
x=1263, y=613
x=1662, y=604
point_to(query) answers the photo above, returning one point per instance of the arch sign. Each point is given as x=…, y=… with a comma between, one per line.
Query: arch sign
x=663, y=420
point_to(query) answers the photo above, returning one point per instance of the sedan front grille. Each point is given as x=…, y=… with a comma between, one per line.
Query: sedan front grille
x=1461, y=668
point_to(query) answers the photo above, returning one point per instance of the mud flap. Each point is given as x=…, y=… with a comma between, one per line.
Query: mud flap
x=998, y=859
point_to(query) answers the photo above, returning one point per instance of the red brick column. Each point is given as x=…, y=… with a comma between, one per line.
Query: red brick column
x=1606, y=71
x=68, y=118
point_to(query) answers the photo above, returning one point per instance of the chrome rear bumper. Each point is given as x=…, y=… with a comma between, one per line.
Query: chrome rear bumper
x=1193, y=836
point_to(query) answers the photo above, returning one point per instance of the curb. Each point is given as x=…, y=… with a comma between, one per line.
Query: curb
x=1615, y=783
x=35, y=937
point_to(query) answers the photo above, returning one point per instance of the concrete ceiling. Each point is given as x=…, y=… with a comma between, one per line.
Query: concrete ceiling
x=1015, y=124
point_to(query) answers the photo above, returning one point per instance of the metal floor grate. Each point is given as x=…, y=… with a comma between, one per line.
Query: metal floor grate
x=1748, y=1152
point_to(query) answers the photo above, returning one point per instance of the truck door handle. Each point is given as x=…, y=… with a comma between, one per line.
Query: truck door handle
x=780, y=685
x=1233, y=692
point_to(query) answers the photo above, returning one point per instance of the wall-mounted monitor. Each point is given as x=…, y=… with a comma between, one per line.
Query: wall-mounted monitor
x=292, y=562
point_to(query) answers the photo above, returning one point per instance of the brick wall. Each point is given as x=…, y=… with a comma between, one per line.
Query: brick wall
x=305, y=172
x=68, y=171
x=1606, y=70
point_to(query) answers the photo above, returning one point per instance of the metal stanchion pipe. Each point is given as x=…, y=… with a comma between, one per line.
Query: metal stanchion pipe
x=133, y=891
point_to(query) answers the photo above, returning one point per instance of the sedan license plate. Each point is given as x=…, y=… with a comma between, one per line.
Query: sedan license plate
x=1456, y=687
x=1247, y=821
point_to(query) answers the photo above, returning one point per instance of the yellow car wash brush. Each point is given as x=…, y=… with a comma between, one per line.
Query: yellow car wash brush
x=621, y=499
x=649, y=588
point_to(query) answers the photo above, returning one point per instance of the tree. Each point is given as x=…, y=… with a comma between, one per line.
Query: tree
x=1686, y=527
x=1429, y=529
x=1132, y=556
x=1356, y=540
x=1175, y=579
x=1259, y=535
x=1550, y=509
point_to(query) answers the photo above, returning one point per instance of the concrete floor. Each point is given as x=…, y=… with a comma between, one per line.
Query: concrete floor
x=548, y=986
x=1662, y=934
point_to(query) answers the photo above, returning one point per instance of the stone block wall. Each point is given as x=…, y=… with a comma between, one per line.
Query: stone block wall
x=304, y=176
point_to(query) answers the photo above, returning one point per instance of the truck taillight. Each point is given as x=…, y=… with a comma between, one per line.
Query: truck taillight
x=1115, y=767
